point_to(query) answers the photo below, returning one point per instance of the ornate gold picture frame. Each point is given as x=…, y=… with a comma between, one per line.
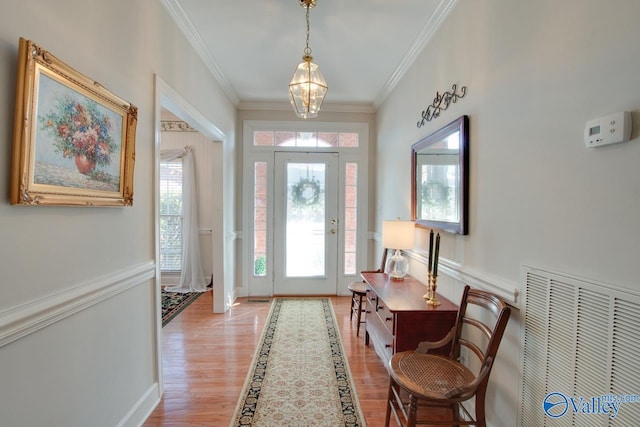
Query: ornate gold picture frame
x=74, y=141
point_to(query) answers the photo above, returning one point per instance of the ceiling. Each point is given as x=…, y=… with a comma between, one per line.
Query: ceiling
x=362, y=46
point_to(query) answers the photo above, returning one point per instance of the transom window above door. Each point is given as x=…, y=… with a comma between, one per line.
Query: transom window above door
x=306, y=139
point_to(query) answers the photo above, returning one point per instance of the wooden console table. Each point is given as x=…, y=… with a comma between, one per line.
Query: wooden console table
x=398, y=318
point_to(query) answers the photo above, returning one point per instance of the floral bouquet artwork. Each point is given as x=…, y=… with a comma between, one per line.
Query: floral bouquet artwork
x=79, y=140
x=73, y=140
x=81, y=133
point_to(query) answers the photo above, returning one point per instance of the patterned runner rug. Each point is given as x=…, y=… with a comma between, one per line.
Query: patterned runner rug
x=174, y=302
x=299, y=376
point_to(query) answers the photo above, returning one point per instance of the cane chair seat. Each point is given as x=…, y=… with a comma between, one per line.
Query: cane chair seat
x=430, y=375
x=358, y=287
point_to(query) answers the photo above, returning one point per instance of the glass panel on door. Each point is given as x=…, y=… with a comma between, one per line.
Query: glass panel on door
x=306, y=223
x=305, y=220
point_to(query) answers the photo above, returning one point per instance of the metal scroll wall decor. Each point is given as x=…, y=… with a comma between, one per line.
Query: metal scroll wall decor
x=441, y=102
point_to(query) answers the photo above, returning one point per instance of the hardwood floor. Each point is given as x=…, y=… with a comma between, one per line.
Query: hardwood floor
x=206, y=358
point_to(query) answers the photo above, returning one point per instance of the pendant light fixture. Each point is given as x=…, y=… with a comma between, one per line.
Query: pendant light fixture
x=307, y=87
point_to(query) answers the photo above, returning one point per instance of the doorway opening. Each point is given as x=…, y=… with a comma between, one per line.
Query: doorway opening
x=171, y=102
x=305, y=197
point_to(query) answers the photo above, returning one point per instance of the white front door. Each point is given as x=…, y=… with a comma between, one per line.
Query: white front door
x=306, y=227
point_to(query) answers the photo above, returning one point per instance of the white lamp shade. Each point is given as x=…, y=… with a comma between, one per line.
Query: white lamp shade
x=398, y=234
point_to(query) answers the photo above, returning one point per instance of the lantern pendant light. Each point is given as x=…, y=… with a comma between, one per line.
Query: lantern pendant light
x=307, y=87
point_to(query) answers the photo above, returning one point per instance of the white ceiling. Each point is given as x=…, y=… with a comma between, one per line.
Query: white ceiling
x=362, y=46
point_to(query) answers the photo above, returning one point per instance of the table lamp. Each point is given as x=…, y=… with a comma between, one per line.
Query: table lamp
x=397, y=235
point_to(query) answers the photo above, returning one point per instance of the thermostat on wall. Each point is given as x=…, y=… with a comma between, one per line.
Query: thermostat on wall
x=609, y=129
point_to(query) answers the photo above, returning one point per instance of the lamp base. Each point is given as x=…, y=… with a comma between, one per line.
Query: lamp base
x=397, y=266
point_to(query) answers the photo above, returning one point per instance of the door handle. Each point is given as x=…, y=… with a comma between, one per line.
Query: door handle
x=333, y=222
x=333, y=231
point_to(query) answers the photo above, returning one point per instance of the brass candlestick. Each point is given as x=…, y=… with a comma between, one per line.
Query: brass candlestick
x=433, y=300
x=428, y=295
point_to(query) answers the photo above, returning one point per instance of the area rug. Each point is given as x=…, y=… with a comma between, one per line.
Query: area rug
x=299, y=375
x=174, y=302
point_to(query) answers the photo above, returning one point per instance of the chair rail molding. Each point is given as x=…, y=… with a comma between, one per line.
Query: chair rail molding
x=509, y=292
x=27, y=318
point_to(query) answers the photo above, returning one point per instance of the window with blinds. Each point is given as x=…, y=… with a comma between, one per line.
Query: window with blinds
x=171, y=215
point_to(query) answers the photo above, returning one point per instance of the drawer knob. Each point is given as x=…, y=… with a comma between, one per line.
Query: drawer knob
x=387, y=346
x=388, y=319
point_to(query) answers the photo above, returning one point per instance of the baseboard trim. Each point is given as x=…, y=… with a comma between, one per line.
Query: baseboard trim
x=139, y=413
x=22, y=320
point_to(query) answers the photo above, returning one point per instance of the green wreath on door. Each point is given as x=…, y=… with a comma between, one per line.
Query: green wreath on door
x=306, y=192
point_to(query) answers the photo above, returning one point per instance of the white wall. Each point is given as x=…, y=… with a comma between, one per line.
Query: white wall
x=78, y=308
x=535, y=72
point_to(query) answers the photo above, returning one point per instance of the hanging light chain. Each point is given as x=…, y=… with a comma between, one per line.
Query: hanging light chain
x=307, y=88
x=307, y=50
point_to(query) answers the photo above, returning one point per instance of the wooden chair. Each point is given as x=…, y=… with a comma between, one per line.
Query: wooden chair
x=359, y=291
x=422, y=380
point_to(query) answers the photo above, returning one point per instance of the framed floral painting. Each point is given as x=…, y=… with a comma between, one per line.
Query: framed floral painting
x=73, y=139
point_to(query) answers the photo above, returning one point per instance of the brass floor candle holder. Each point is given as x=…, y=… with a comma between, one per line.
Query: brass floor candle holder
x=430, y=296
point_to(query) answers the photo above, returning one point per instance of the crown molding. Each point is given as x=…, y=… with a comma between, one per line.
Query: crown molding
x=430, y=28
x=286, y=106
x=179, y=16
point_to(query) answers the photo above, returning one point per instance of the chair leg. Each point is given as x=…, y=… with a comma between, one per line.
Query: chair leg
x=480, y=417
x=359, y=315
x=389, y=403
x=455, y=414
x=413, y=411
x=353, y=296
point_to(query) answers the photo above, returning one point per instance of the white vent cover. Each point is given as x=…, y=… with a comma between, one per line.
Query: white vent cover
x=581, y=339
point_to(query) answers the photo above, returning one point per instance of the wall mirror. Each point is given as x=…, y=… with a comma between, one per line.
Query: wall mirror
x=440, y=178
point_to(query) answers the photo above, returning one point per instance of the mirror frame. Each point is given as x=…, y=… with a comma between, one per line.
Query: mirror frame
x=462, y=227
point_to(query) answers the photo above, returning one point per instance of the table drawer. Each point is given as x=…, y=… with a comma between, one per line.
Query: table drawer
x=378, y=308
x=387, y=318
x=383, y=341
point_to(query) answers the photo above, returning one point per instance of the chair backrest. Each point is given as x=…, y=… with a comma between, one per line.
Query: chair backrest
x=483, y=328
x=383, y=264
x=380, y=269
